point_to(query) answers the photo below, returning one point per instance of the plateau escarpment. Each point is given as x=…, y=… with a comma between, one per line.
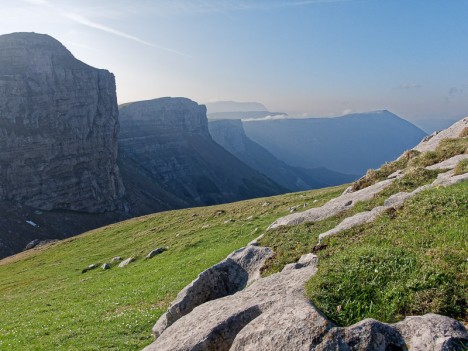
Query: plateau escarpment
x=230, y=135
x=58, y=128
x=166, y=141
x=58, y=143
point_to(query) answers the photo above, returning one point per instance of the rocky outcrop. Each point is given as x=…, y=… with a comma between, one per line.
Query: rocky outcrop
x=397, y=200
x=273, y=314
x=165, y=143
x=225, y=278
x=333, y=207
x=431, y=142
x=58, y=128
x=231, y=136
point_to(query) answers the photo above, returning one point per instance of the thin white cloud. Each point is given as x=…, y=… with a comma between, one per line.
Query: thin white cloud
x=37, y=2
x=409, y=86
x=101, y=27
x=266, y=118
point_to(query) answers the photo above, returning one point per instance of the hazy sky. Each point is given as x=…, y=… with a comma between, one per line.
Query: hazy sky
x=316, y=58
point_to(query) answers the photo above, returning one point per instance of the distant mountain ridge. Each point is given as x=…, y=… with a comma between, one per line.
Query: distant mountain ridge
x=238, y=110
x=233, y=106
x=349, y=144
x=230, y=135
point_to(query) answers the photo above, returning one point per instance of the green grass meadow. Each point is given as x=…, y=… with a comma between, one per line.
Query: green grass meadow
x=48, y=304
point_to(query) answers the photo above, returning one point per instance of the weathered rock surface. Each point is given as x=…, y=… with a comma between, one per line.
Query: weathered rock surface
x=215, y=324
x=333, y=207
x=58, y=128
x=431, y=142
x=126, y=262
x=419, y=333
x=58, y=143
x=155, y=252
x=397, y=200
x=450, y=163
x=225, y=278
x=168, y=158
x=273, y=314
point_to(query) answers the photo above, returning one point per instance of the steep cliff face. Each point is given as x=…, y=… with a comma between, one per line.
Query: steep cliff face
x=231, y=136
x=165, y=142
x=58, y=128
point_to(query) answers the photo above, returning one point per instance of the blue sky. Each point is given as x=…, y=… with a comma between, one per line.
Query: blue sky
x=309, y=58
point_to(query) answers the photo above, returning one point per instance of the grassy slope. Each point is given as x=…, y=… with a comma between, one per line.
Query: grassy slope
x=412, y=261
x=409, y=261
x=48, y=304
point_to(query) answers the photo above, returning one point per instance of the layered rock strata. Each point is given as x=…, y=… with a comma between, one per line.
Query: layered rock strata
x=58, y=128
x=166, y=142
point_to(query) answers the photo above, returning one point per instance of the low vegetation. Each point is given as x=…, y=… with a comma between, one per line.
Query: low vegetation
x=289, y=243
x=412, y=261
x=48, y=304
x=412, y=158
x=461, y=167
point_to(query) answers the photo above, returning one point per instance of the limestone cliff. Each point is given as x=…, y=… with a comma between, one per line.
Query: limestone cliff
x=166, y=142
x=58, y=128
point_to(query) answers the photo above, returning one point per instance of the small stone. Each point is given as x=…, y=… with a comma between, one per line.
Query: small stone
x=220, y=212
x=32, y=244
x=292, y=209
x=229, y=221
x=155, y=252
x=117, y=258
x=91, y=266
x=126, y=262
x=395, y=174
x=250, y=218
x=266, y=203
x=348, y=203
x=106, y=266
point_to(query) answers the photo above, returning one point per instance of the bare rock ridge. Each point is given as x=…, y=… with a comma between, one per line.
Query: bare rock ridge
x=167, y=141
x=58, y=128
x=272, y=313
